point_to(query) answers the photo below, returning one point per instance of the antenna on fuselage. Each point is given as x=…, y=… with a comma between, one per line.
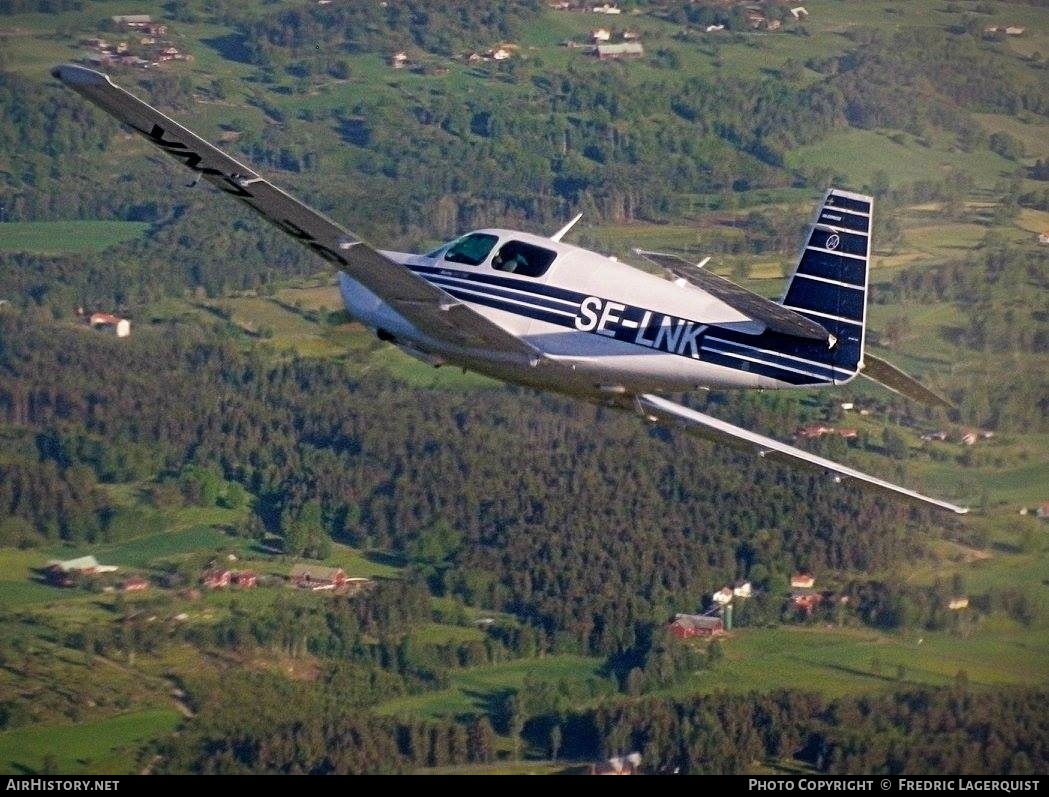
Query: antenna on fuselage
x=557, y=236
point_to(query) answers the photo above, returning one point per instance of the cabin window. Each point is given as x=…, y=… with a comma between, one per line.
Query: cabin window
x=522, y=258
x=472, y=249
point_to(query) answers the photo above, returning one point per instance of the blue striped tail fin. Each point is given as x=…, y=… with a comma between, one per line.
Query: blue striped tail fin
x=830, y=282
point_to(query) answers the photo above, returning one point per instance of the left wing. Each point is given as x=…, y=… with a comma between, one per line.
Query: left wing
x=660, y=409
x=433, y=311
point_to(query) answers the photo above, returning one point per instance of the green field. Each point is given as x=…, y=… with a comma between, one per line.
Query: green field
x=472, y=689
x=858, y=155
x=67, y=237
x=850, y=661
x=104, y=747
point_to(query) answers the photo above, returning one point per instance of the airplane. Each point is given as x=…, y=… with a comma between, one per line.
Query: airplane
x=539, y=312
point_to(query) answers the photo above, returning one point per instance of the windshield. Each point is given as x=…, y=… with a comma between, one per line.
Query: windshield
x=472, y=249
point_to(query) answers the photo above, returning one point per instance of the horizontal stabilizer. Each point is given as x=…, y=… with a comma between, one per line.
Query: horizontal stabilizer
x=660, y=409
x=774, y=316
x=888, y=375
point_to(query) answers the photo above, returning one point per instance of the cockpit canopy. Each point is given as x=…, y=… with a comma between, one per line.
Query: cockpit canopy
x=512, y=256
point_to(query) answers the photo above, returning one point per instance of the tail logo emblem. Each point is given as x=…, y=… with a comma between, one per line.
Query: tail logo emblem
x=832, y=242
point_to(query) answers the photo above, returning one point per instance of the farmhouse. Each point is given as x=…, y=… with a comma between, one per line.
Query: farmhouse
x=108, y=322
x=244, y=578
x=357, y=585
x=399, y=60
x=799, y=12
x=805, y=599
x=216, y=578
x=742, y=589
x=317, y=577
x=607, y=9
x=814, y=431
x=1043, y=511
x=609, y=52
x=1043, y=238
x=601, y=34
x=957, y=603
x=685, y=626
x=134, y=584
x=132, y=20
x=63, y=573
x=722, y=596
x=802, y=581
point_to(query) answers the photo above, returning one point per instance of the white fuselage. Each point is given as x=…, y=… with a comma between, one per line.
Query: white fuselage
x=608, y=327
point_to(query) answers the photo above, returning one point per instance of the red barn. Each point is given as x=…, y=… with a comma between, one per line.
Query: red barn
x=686, y=626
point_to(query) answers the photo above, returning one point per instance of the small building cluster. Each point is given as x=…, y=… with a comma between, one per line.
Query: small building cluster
x=1041, y=511
x=803, y=594
x=758, y=20
x=63, y=573
x=319, y=578
x=143, y=48
x=818, y=430
x=220, y=578
x=1008, y=30
x=967, y=437
x=107, y=322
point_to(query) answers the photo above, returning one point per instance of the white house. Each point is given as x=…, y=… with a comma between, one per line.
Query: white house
x=722, y=596
x=743, y=589
x=601, y=34
x=607, y=9
x=798, y=12
x=121, y=327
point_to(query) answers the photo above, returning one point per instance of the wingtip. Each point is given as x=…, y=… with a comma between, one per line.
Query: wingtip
x=77, y=75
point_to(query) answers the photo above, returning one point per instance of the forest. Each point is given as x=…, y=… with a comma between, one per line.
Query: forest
x=508, y=530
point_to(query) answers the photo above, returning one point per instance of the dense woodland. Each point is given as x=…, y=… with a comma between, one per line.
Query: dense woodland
x=592, y=567
x=913, y=732
x=456, y=485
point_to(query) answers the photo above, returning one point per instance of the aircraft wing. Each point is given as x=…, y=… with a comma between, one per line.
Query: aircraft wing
x=435, y=312
x=660, y=409
x=774, y=316
x=889, y=376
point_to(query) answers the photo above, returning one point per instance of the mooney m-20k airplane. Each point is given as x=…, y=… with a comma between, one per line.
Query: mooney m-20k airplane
x=540, y=312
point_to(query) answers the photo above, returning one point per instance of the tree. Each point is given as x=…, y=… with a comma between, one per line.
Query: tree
x=482, y=741
x=555, y=741
x=894, y=443
x=435, y=544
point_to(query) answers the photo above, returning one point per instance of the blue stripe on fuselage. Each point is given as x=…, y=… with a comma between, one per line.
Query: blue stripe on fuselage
x=809, y=362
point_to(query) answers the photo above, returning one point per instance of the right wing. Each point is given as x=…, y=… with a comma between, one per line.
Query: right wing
x=433, y=311
x=660, y=409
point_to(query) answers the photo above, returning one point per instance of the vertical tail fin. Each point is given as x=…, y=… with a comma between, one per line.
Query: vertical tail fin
x=829, y=284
